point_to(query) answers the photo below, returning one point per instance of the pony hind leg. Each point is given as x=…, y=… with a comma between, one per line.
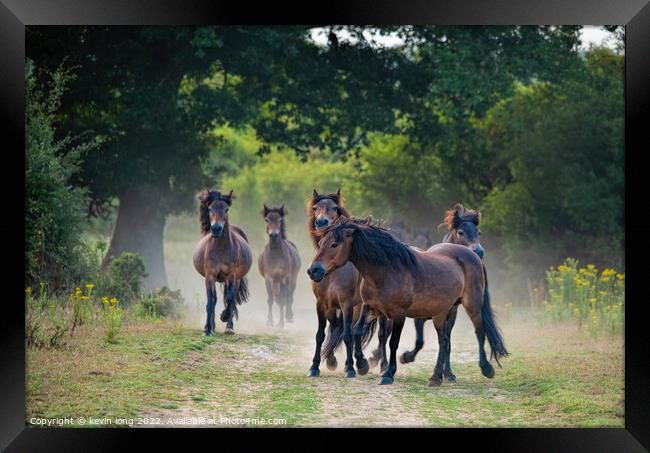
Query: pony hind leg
x=229, y=291
x=396, y=331
x=409, y=356
x=449, y=326
x=476, y=317
x=436, y=377
x=359, y=328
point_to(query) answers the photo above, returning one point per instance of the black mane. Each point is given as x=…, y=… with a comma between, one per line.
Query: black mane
x=374, y=245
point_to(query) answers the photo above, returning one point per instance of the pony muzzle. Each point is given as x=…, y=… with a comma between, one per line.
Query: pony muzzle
x=274, y=235
x=478, y=250
x=316, y=272
x=216, y=229
x=322, y=222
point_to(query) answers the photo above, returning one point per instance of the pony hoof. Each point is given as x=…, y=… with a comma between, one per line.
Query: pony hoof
x=223, y=316
x=229, y=331
x=350, y=373
x=385, y=380
x=313, y=372
x=435, y=382
x=407, y=357
x=487, y=370
x=450, y=377
x=384, y=367
x=374, y=361
x=207, y=334
x=362, y=367
x=331, y=363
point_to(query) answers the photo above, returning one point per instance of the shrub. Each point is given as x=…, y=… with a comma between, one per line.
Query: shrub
x=123, y=278
x=54, y=209
x=595, y=299
x=162, y=302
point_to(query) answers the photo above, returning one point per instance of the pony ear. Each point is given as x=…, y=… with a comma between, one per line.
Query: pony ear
x=477, y=219
x=283, y=210
x=231, y=195
x=315, y=194
x=265, y=210
x=338, y=192
x=459, y=210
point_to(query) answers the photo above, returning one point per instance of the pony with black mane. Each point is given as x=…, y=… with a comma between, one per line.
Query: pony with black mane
x=222, y=255
x=337, y=297
x=462, y=228
x=399, y=281
x=279, y=264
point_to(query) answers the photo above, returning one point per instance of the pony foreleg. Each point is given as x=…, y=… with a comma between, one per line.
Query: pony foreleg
x=320, y=337
x=347, y=339
x=396, y=331
x=290, y=288
x=279, y=299
x=269, y=301
x=436, y=378
x=210, y=306
x=362, y=364
x=449, y=326
x=409, y=356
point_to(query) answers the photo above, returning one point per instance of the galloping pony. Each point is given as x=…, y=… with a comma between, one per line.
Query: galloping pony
x=399, y=281
x=222, y=255
x=279, y=264
x=337, y=296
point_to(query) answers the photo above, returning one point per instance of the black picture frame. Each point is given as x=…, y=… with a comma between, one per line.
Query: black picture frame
x=635, y=15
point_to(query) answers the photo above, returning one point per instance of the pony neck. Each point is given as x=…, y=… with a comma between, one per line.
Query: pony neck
x=276, y=245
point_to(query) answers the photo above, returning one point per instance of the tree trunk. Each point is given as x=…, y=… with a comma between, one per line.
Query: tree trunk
x=139, y=229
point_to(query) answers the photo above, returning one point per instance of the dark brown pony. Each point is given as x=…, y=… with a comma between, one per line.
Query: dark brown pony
x=337, y=296
x=279, y=264
x=463, y=229
x=223, y=256
x=399, y=281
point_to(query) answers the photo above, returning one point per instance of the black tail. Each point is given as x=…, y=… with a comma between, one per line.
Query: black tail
x=490, y=326
x=368, y=332
x=242, y=293
x=334, y=339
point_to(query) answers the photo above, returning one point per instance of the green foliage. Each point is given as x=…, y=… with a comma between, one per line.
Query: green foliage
x=54, y=208
x=279, y=177
x=558, y=165
x=162, y=302
x=122, y=278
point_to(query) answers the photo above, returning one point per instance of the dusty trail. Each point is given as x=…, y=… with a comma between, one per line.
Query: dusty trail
x=264, y=376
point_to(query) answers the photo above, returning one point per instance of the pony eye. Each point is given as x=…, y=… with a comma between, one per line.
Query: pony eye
x=227, y=209
x=334, y=245
x=479, y=232
x=461, y=232
x=314, y=208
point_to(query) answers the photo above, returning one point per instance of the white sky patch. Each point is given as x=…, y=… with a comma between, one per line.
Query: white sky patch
x=589, y=34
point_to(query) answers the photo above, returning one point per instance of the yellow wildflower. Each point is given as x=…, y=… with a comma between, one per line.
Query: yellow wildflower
x=84, y=298
x=113, y=301
x=591, y=267
x=620, y=276
x=105, y=300
x=90, y=286
x=592, y=300
x=28, y=291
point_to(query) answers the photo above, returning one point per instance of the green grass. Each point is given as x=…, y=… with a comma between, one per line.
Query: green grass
x=552, y=378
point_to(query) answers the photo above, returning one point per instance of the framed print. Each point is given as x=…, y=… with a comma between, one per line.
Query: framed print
x=386, y=216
